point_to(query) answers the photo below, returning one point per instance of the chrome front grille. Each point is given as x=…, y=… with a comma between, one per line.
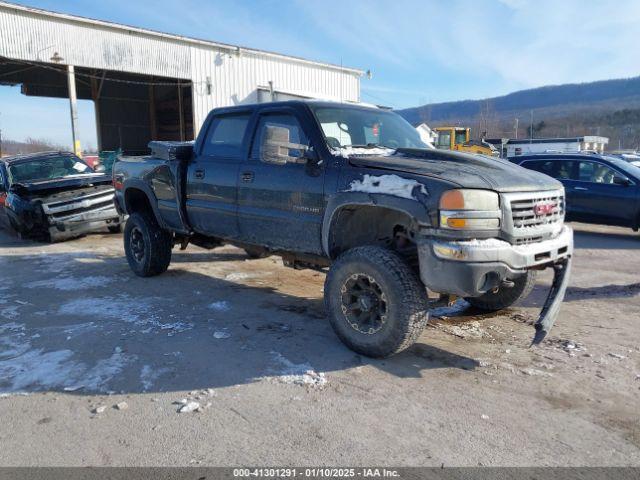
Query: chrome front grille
x=524, y=214
x=533, y=216
x=64, y=210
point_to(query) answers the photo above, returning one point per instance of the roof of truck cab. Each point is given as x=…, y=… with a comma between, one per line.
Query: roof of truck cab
x=294, y=103
x=27, y=157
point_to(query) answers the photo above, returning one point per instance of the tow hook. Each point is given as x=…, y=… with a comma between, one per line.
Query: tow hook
x=551, y=308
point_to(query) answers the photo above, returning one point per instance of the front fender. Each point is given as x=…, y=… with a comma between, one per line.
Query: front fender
x=412, y=208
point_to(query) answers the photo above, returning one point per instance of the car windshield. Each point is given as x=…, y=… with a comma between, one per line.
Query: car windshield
x=48, y=168
x=346, y=127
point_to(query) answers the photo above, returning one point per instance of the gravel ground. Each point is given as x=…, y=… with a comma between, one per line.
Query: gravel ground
x=95, y=365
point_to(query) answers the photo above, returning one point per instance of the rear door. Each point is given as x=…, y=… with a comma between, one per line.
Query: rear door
x=281, y=205
x=597, y=193
x=212, y=177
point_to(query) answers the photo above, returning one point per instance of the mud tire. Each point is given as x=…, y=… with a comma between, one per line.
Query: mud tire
x=147, y=246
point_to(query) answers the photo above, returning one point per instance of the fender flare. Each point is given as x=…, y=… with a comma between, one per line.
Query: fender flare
x=413, y=208
x=136, y=184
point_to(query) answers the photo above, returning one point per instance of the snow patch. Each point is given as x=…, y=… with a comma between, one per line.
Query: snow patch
x=148, y=376
x=389, y=185
x=10, y=312
x=484, y=243
x=36, y=368
x=220, y=306
x=298, y=374
x=71, y=283
x=236, y=276
x=347, y=152
x=189, y=407
x=135, y=311
x=12, y=340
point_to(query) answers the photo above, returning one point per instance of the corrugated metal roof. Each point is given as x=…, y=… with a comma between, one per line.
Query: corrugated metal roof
x=126, y=29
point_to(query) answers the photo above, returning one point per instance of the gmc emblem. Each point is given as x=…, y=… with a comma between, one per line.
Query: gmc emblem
x=543, y=208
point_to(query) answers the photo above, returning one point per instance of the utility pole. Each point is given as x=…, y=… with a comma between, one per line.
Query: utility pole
x=531, y=131
x=517, y=120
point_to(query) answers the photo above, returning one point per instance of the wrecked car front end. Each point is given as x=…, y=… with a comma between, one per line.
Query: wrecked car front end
x=522, y=231
x=55, y=195
x=64, y=213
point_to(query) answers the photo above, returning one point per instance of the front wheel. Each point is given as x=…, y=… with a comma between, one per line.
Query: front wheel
x=376, y=303
x=504, y=297
x=147, y=246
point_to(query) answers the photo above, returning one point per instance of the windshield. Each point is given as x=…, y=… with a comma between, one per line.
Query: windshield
x=48, y=168
x=368, y=128
x=444, y=140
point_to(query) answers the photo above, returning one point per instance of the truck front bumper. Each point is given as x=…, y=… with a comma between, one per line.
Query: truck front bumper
x=473, y=268
x=84, y=223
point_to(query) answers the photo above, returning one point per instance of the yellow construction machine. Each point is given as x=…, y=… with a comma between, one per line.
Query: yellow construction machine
x=459, y=138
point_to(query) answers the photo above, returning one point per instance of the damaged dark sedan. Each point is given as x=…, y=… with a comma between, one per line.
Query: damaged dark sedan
x=53, y=196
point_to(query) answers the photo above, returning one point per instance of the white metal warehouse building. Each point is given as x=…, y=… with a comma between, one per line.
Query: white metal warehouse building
x=146, y=84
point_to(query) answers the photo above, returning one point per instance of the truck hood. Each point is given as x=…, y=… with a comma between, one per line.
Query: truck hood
x=46, y=187
x=465, y=170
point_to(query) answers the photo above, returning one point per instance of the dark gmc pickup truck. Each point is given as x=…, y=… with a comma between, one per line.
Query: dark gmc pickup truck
x=352, y=189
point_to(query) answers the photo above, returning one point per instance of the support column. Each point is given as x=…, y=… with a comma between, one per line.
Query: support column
x=96, y=91
x=180, y=113
x=73, y=103
x=152, y=113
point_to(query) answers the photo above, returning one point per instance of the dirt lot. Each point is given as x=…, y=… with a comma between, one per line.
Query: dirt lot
x=78, y=331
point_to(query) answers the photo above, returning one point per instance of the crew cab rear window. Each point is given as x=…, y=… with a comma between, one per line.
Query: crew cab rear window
x=225, y=135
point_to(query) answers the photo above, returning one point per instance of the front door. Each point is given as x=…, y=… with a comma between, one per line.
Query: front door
x=212, y=178
x=281, y=205
x=596, y=193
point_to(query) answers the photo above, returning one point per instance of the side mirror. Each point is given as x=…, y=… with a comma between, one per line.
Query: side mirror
x=276, y=147
x=620, y=180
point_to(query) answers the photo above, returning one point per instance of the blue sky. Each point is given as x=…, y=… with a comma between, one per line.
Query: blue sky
x=419, y=51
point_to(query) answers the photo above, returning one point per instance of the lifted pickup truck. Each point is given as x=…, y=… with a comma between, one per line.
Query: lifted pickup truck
x=354, y=189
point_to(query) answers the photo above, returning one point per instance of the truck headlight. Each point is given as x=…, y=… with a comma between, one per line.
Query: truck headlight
x=470, y=210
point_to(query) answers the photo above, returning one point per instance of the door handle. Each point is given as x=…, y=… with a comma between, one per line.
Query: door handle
x=199, y=174
x=584, y=189
x=247, y=177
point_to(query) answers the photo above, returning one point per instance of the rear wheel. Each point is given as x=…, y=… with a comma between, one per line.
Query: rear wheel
x=504, y=297
x=147, y=246
x=376, y=303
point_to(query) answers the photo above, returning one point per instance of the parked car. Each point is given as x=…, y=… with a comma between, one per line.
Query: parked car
x=599, y=188
x=356, y=190
x=632, y=158
x=54, y=195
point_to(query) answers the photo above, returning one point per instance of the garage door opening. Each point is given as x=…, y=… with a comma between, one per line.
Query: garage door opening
x=129, y=109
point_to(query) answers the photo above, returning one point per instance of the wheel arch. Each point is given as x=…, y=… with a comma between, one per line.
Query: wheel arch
x=368, y=214
x=138, y=197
